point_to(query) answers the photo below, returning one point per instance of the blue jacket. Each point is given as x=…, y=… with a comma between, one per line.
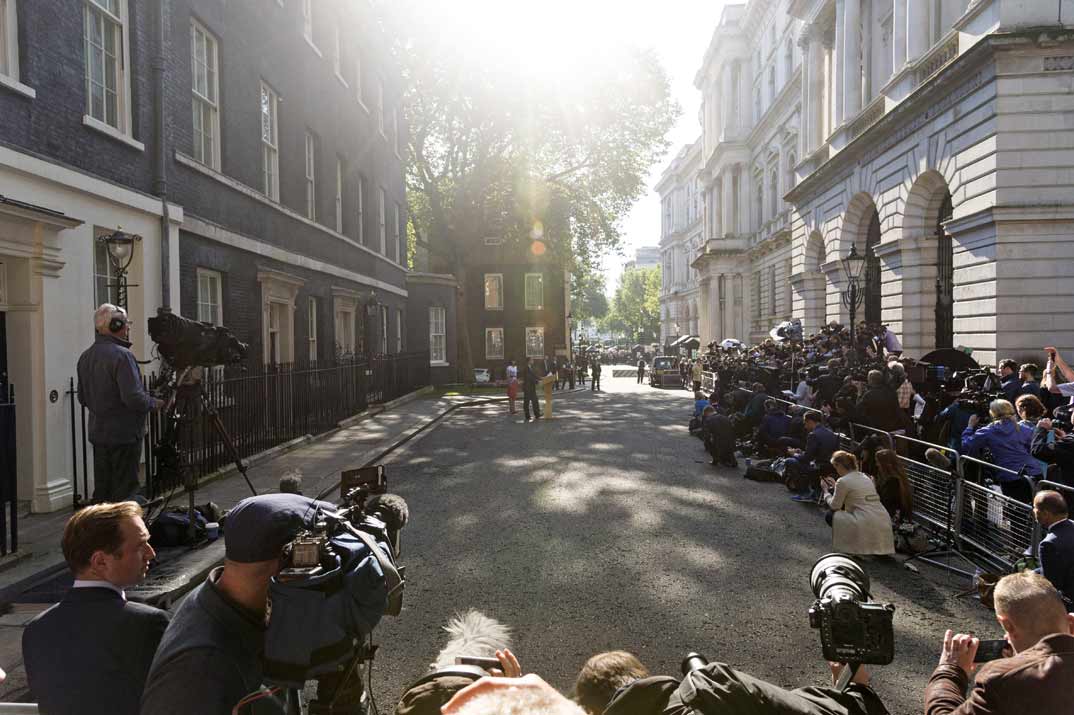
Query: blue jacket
x=960, y=419
x=775, y=426
x=1009, y=443
x=699, y=407
x=1057, y=556
x=821, y=444
x=110, y=387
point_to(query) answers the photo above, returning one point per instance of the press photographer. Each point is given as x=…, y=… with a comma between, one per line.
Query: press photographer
x=110, y=387
x=1038, y=677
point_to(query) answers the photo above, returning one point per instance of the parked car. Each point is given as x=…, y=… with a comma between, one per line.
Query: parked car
x=482, y=375
x=665, y=372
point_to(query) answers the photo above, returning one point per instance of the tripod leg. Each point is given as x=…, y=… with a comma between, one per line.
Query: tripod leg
x=229, y=444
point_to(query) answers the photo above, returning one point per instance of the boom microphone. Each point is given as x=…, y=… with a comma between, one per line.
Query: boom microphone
x=389, y=508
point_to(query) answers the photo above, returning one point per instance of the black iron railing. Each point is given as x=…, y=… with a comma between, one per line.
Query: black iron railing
x=260, y=408
x=9, y=476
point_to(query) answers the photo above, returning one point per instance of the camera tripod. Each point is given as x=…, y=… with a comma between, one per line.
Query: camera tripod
x=189, y=398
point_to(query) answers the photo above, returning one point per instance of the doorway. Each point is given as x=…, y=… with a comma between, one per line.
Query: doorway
x=872, y=271
x=945, y=278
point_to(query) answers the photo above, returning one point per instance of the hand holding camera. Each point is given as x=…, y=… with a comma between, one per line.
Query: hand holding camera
x=959, y=649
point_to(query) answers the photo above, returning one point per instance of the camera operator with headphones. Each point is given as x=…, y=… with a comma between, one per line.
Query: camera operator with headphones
x=110, y=387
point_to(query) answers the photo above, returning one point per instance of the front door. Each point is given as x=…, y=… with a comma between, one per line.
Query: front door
x=3, y=357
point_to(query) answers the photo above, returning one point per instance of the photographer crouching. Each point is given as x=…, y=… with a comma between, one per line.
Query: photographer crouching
x=110, y=387
x=1038, y=674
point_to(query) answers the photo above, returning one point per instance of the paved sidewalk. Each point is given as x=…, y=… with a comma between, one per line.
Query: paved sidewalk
x=320, y=461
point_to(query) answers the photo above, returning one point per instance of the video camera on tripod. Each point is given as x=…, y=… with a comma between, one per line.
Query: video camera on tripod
x=185, y=343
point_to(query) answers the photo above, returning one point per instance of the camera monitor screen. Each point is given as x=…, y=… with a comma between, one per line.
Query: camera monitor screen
x=372, y=477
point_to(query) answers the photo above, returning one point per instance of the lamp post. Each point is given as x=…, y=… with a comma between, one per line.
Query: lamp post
x=120, y=249
x=853, y=295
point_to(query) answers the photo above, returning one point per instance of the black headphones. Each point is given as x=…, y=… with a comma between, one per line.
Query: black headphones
x=117, y=323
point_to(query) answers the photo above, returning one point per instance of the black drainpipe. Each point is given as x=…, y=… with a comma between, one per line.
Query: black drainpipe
x=160, y=168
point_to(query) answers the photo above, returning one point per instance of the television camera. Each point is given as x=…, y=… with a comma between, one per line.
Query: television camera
x=185, y=343
x=337, y=580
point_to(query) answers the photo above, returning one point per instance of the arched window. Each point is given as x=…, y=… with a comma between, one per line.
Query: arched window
x=792, y=161
x=773, y=186
x=759, y=195
x=788, y=60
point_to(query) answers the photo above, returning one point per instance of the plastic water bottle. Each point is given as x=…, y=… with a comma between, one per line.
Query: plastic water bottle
x=748, y=462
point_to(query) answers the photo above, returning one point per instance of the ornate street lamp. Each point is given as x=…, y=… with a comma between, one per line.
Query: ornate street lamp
x=120, y=249
x=853, y=295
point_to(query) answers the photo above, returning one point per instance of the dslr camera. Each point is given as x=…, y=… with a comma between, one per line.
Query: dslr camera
x=852, y=628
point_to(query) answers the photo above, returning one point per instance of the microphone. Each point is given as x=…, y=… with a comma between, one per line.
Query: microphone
x=389, y=508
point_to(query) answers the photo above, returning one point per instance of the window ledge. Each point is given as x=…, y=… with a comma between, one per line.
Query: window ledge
x=488, y=307
x=363, y=106
x=341, y=80
x=313, y=47
x=17, y=86
x=111, y=132
x=439, y=363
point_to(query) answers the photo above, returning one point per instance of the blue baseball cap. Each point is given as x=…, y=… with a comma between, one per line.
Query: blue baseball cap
x=259, y=527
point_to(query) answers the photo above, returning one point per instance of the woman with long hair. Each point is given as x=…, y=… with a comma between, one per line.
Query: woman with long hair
x=893, y=486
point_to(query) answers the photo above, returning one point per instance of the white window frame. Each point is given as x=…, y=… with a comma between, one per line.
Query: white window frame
x=311, y=323
x=9, y=48
x=206, y=104
x=531, y=305
x=311, y=176
x=91, y=11
x=216, y=310
x=361, y=209
x=307, y=21
x=270, y=147
x=534, y=331
x=337, y=57
x=345, y=333
x=400, y=235
x=382, y=217
x=398, y=330
x=395, y=133
x=383, y=330
x=380, y=107
x=489, y=355
x=358, y=80
x=499, y=277
x=339, y=194
x=437, y=335
x=100, y=258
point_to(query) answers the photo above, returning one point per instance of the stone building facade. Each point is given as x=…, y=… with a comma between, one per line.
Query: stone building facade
x=750, y=82
x=935, y=136
x=681, y=212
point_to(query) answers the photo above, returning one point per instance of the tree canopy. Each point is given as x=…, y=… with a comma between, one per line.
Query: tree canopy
x=635, y=309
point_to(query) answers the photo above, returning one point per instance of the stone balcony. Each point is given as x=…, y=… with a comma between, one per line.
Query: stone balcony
x=776, y=226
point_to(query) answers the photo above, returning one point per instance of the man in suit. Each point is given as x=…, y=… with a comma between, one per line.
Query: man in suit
x=530, y=379
x=91, y=652
x=807, y=466
x=1057, y=547
x=1039, y=675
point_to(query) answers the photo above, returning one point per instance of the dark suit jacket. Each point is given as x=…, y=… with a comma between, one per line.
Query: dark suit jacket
x=1057, y=556
x=91, y=652
x=1038, y=680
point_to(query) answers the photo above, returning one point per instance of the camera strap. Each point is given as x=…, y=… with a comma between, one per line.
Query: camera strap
x=846, y=675
x=392, y=578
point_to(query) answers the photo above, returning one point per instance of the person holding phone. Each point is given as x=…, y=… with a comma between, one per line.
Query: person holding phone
x=1038, y=676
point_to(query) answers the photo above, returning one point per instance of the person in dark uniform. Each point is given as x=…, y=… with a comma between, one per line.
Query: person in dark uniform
x=641, y=370
x=719, y=434
x=594, y=384
x=529, y=390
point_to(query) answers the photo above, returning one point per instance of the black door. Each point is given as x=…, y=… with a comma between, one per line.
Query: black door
x=872, y=271
x=3, y=357
x=945, y=279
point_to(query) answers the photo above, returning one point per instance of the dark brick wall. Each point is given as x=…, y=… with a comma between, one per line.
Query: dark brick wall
x=422, y=296
x=52, y=61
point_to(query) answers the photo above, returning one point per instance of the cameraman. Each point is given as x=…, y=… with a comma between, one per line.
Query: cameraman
x=1039, y=675
x=1008, y=376
x=1009, y=443
x=110, y=387
x=1054, y=446
x=210, y=657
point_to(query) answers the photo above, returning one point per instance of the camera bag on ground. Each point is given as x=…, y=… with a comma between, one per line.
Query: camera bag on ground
x=911, y=538
x=172, y=528
x=717, y=688
x=763, y=472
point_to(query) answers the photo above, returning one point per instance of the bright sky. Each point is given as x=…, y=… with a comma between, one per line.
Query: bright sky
x=531, y=32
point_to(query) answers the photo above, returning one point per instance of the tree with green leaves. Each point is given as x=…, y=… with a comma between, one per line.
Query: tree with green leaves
x=524, y=159
x=635, y=309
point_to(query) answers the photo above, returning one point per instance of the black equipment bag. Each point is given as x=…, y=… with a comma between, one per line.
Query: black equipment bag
x=763, y=472
x=172, y=528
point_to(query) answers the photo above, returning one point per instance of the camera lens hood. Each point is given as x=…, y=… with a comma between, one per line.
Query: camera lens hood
x=835, y=570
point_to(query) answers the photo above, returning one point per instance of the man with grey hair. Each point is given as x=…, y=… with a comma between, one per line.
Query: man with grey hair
x=110, y=387
x=1038, y=675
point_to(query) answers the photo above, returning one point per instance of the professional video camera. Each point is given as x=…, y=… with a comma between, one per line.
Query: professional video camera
x=337, y=580
x=186, y=343
x=852, y=628
x=1063, y=418
x=979, y=388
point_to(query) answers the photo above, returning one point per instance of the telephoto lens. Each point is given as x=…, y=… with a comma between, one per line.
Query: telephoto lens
x=692, y=662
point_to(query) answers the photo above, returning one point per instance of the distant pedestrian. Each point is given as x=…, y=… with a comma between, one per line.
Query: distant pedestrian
x=570, y=375
x=594, y=385
x=641, y=370
x=529, y=390
x=512, y=385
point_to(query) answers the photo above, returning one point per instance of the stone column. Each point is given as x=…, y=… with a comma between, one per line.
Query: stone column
x=850, y=58
x=705, y=330
x=898, y=36
x=745, y=219
x=726, y=210
x=727, y=97
x=917, y=29
x=745, y=96
x=838, y=60
x=806, y=45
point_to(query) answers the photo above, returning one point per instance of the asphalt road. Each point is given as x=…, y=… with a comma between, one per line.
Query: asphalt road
x=606, y=528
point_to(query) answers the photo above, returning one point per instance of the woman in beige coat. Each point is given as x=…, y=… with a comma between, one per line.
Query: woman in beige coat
x=860, y=523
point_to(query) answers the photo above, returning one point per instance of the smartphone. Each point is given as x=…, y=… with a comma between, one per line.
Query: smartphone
x=990, y=650
x=486, y=663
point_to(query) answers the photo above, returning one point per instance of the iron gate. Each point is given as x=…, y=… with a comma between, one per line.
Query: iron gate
x=945, y=279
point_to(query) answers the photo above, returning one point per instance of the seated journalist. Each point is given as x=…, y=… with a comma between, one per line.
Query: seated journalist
x=1038, y=677
x=90, y=653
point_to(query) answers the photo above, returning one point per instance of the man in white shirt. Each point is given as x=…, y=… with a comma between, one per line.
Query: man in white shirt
x=91, y=652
